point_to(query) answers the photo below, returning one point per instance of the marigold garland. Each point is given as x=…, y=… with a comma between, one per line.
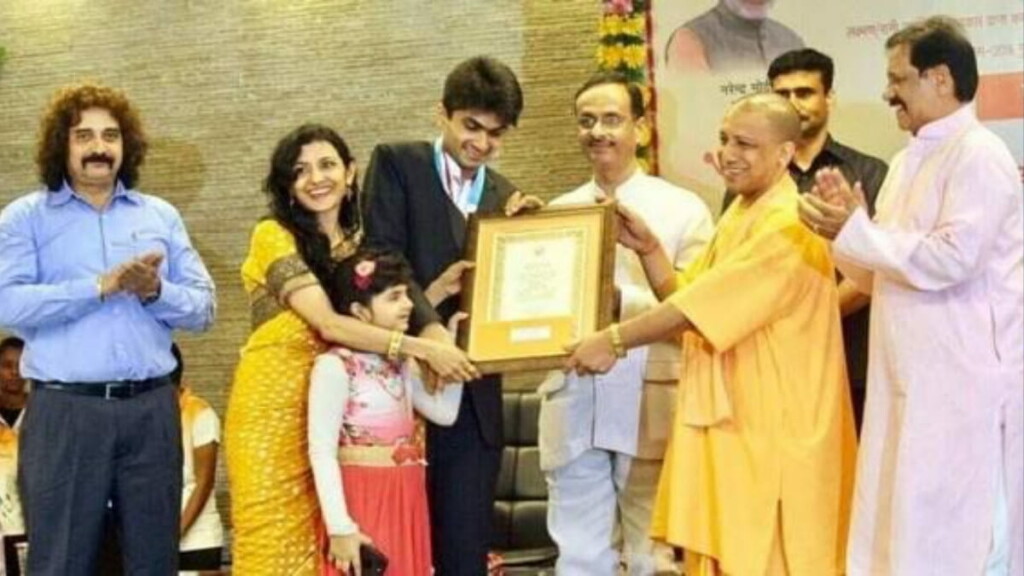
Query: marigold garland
x=622, y=46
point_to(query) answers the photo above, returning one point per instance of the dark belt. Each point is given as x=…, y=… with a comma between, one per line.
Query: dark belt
x=114, y=390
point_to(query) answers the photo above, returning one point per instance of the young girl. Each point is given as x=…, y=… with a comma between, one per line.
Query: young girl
x=361, y=417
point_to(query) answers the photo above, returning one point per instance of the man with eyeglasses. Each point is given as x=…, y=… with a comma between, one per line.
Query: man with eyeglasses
x=602, y=438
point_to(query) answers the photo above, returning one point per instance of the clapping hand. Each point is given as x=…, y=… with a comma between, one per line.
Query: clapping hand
x=142, y=275
x=830, y=203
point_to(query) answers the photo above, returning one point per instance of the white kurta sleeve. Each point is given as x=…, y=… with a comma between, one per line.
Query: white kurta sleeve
x=699, y=228
x=863, y=279
x=973, y=206
x=441, y=408
x=328, y=394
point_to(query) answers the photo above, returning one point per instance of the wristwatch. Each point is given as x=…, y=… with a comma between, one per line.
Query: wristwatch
x=150, y=298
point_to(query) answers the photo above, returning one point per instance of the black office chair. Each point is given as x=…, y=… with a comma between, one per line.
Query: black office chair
x=520, y=509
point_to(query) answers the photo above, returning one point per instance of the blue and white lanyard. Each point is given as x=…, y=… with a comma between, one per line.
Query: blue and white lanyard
x=470, y=203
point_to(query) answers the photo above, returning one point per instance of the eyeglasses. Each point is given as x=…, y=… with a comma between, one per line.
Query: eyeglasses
x=609, y=121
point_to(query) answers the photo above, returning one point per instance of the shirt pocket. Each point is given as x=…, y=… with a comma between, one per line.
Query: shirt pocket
x=136, y=242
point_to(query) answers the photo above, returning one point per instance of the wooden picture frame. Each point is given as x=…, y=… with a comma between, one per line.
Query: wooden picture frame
x=541, y=280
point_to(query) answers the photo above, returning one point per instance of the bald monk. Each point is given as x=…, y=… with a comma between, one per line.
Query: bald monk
x=758, y=475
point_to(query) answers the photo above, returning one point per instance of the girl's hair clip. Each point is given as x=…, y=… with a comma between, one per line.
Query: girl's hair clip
x=364, y=274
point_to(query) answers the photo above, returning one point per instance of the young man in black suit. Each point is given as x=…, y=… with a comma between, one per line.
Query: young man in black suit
x=419, y=196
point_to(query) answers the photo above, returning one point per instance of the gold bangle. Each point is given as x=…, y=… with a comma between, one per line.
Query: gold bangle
x=395, y=345
x=616, y=336
x=99, y=287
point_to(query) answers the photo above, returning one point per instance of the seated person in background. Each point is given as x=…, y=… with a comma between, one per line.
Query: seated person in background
x=368, y=464
x=13, y=392
x=13, y=395
x=202, y=534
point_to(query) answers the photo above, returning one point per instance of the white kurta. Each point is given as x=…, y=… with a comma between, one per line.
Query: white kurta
x=602, y=437
x=604, y=412
x=943, y=262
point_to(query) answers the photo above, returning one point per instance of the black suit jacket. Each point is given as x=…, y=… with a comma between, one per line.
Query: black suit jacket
x=407, y=209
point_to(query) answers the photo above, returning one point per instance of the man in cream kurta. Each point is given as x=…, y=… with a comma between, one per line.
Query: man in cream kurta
x=759, y=468
x=602, y=438
x=939, y=482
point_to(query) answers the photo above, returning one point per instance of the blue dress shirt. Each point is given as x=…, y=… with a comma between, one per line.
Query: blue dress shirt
x=53, y=248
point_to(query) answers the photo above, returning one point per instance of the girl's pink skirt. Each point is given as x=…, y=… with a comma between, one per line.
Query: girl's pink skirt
x=389, y=503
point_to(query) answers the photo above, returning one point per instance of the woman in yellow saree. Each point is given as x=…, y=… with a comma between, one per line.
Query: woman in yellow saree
x=314, y=222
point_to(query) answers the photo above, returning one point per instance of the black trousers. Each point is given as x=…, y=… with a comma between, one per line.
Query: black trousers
x=201, y=560
x=858, y=394
x=78, y=452
x=462, y=474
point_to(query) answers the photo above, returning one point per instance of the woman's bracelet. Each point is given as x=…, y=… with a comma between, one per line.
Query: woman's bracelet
x=617, y=346
x=395, y=345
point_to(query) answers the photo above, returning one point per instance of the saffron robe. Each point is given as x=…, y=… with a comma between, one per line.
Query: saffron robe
x=763, y=425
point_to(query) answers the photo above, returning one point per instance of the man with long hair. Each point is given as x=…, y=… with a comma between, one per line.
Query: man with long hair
x=95, y=276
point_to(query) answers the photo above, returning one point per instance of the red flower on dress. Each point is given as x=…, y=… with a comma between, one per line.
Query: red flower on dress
x=406, y=453
x=364, y=274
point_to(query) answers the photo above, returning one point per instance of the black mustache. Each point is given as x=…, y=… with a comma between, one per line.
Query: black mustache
x=897, y=102
x=98, y=158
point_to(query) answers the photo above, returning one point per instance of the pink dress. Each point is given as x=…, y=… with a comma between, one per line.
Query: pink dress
x=380, y=452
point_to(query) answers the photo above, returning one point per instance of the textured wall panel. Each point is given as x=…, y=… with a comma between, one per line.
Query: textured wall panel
x=219, y=82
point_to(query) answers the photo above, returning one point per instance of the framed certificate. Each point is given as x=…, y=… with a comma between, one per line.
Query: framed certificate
x=542, y=280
